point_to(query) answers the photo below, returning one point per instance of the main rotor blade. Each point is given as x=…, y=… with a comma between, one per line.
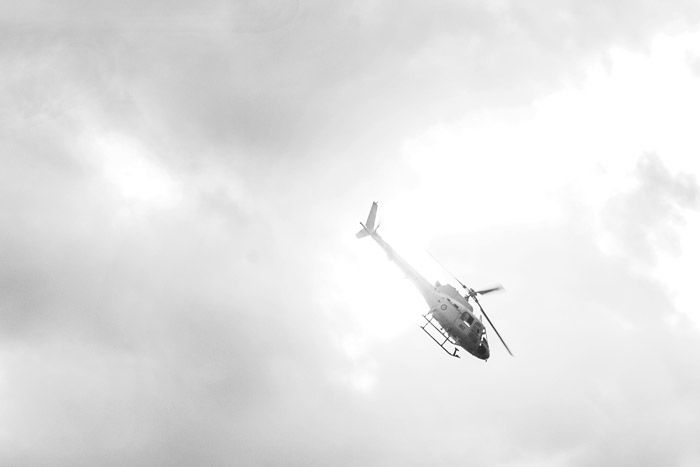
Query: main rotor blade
x=447, y=271
x=492, y=289
x=492, y=326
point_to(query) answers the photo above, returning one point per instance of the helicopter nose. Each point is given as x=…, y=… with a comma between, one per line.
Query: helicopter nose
x=483, y=351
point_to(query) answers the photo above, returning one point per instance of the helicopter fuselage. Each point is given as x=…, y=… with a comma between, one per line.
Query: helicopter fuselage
x=456, y=316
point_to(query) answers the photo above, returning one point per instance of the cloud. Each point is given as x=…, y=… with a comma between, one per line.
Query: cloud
x=593, y=337
x=314, y=77
x=176, y=186
x=138, y=324
x=646, y=218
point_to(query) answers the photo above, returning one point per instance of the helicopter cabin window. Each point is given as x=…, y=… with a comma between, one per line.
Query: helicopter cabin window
x=468, y=318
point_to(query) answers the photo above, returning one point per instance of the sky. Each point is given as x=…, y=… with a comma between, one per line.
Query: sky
x=181, y=182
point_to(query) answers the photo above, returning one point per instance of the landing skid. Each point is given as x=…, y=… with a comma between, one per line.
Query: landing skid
x=441, y=338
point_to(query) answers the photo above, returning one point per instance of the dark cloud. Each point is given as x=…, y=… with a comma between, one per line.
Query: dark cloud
x=140, y=330
x=308, y=77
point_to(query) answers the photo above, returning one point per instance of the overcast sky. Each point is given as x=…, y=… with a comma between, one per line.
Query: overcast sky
x=180, y=184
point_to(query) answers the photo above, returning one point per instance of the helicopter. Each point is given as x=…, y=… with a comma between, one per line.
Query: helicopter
x=451, y=321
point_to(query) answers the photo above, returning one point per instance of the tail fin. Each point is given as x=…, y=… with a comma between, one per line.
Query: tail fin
x=368, y=227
